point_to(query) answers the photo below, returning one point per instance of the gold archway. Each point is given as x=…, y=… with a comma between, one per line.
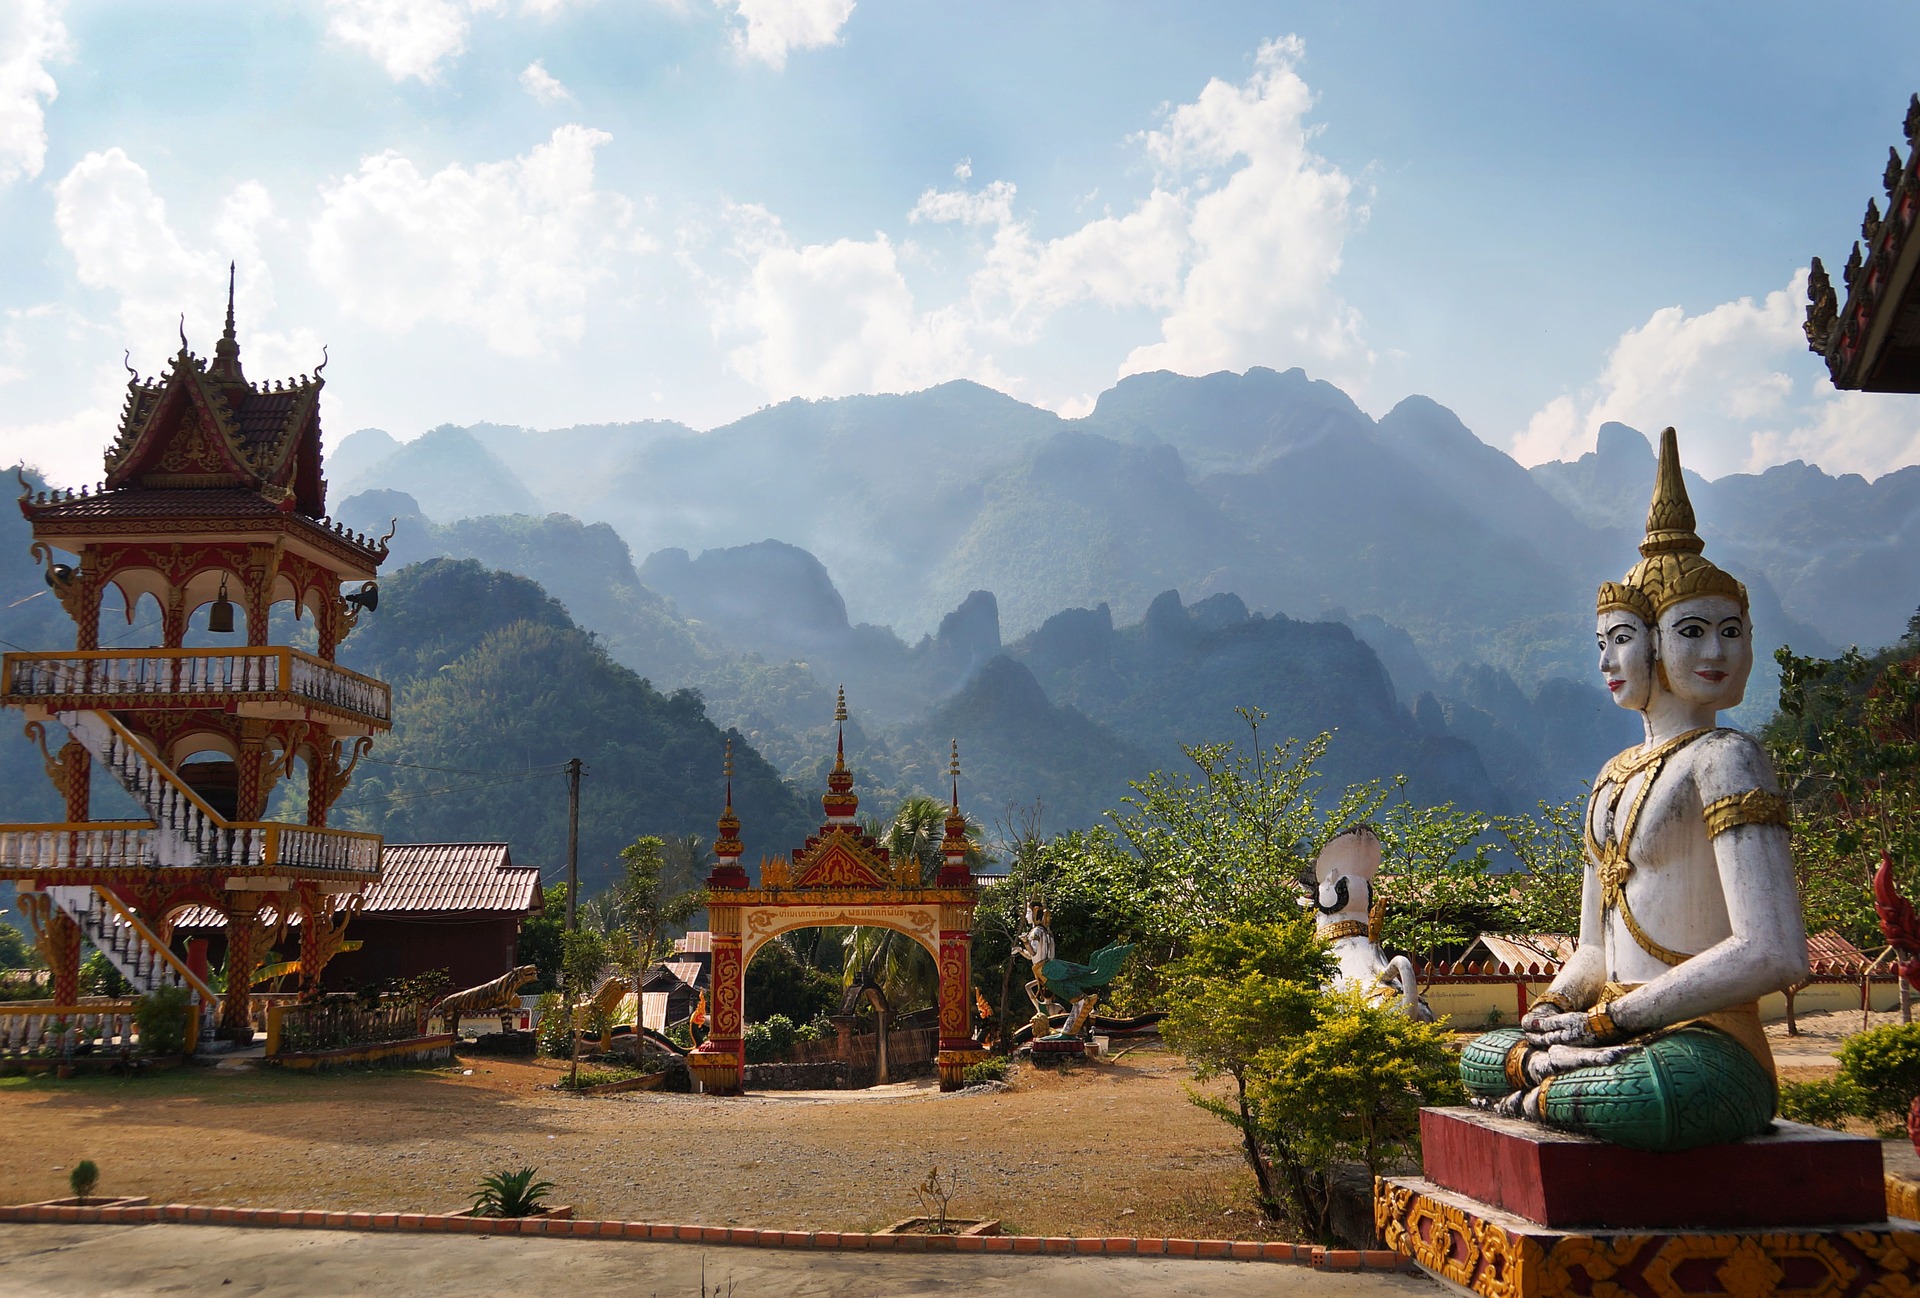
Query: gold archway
x=840, y=877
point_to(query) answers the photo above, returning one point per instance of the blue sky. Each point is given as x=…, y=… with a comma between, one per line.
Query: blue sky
x=549, y=212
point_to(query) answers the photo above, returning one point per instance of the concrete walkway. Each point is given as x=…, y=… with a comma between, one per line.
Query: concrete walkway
x=228, y=1262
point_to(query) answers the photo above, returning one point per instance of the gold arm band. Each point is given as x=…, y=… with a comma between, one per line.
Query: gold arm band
x=1345, y=928
x=1516, y=1066
x=1600, y=1023
x=1559, y=1001
x=1754, y=807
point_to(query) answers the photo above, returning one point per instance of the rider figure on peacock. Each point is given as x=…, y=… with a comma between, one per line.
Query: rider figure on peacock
x=1650, y=1036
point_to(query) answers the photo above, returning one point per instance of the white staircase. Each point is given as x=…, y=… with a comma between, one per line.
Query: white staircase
x=132, y=948
x=188, y=831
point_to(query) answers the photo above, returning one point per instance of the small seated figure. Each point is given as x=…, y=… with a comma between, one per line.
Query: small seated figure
x=1650, y=1036
x=1348, y=922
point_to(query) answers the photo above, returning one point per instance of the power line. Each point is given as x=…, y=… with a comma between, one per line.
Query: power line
x=468, y=770
x=416, y=795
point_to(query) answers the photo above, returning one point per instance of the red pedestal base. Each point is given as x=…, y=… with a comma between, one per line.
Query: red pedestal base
x=1796, y=1176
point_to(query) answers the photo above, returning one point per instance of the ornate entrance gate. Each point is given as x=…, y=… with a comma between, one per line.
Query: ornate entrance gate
x=841, y=877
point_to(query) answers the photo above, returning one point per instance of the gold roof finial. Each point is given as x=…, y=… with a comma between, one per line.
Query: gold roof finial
x=1672, y=567
x=953, y=772
x=840, y=740
x=727, y=846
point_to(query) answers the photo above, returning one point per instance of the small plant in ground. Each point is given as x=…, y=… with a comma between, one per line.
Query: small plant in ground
x=935, y=1194
x=83, y=1178
x=987, y=1070
x=510, y=1194
x=162, y=1016
x=1884, y=1065
x=1827, y=1103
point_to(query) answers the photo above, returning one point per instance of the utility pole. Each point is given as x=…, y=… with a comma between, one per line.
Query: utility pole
x=573, y=840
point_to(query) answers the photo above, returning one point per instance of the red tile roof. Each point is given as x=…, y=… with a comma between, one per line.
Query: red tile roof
x=432, y=877
x=1835, y=952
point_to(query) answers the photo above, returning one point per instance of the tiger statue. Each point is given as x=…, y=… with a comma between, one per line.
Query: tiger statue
x=503, y=993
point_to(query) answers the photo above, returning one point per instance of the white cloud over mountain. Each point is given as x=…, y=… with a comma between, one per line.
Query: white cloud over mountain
x=1739, y=385
x=1234, y=250
x=32, y=37
x=510, y=249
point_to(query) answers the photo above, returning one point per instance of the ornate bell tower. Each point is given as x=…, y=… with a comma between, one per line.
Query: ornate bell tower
x=213, y=498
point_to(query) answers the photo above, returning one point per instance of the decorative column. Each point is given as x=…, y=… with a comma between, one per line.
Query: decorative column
x=321, y=936
x=252, y=772
x=256, y=589
x=173, y=618
x=719, y=1063
x=248, y=940
x=57, y=936
x=958, y=1049
x=328, y=776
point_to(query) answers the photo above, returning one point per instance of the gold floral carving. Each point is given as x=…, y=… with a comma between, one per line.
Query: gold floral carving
x=837, y=867
x=1903, y=1198
x=1483, y=1257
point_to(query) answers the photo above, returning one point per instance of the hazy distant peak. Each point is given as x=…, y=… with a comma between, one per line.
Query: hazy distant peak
x=1619, y=444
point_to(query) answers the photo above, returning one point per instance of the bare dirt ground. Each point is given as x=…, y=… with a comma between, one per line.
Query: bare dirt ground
x=1111, y=1148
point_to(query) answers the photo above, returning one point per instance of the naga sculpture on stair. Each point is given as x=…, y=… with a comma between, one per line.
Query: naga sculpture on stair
x=1650, y=1035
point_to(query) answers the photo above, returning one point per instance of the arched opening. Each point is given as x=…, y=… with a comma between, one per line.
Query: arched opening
x=212, y=773
x=135, y=619
x=839, y=1005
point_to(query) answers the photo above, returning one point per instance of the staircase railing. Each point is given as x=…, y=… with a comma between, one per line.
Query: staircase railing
x=191, y=980
x=199, y=835
x=125, y=677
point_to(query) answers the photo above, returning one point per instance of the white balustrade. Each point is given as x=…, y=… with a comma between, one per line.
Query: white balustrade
x=105, y=676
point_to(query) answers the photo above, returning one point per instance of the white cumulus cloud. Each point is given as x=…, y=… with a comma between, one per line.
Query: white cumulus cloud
x=1738, y=382
x=832, y=318
x=32, y=36
x=1266, y=235
x=768, y=30
x=409, y=38
x=509, y=248
x=543, y=85
x=1231, y=255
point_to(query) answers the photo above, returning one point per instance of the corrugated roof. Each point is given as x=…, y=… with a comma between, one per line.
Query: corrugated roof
x=696, y=943
x=417, y=877
x=1519, y=950
x=1830, y=949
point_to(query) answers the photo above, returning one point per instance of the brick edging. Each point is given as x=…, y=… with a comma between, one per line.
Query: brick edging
x=1331, y=1259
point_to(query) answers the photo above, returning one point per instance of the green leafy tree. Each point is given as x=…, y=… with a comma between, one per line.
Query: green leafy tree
x=1434, y=876
x=540, y=938
x=1240, y=990
x=1349, y=1090
x=1229, y=839
x=1551, y=850
x=16, y=952
x=780, y=983
x=583, y=955
x=647, y=902
x=1846, y=742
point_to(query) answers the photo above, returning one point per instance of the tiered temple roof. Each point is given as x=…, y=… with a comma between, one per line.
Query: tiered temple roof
x=1871, y=343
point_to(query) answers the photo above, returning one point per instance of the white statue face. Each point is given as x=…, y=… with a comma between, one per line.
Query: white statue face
x=1626, y=658
x=1706, y=648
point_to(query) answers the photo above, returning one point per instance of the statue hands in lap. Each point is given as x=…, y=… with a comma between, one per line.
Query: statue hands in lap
x=1650, y=1036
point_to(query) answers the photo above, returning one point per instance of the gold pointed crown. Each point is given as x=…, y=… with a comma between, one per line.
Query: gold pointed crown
x=1672, y=567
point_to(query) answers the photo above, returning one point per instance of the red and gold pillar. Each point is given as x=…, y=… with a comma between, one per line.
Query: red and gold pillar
x=60, y=947
x=720, y=1061
x=958, y=1049
x=248, y=940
